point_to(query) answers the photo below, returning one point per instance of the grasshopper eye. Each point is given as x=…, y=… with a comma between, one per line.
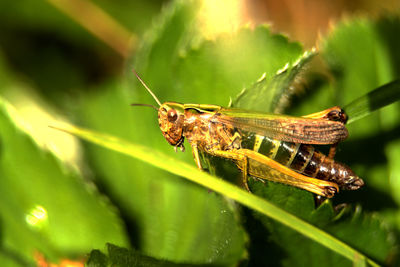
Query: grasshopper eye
x=172, y=115
x=338, y=115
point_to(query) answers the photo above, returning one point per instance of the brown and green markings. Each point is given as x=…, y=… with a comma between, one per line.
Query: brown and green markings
x=273, y=147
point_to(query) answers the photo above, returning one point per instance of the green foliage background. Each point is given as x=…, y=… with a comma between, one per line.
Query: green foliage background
x=111, y=198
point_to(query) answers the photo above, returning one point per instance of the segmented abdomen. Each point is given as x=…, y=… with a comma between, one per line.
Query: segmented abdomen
x=301, y=158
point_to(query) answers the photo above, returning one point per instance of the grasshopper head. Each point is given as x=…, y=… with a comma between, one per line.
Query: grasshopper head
x=170, y=119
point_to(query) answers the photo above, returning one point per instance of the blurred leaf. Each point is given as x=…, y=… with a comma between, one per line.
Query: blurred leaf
x=34, y=43
x=361, y=55
x=46, y=207
x=55, y=54
x=358, y=55
x=393, y=154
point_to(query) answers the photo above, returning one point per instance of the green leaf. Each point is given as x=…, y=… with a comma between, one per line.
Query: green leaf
x=204, y=72
x=170, y=164
x=176, y=220
x=216, y=70
x=177, y=66
x=168, y=218
x=358, y=229
x=354, y=228
x=270, y=94
x=45, y=207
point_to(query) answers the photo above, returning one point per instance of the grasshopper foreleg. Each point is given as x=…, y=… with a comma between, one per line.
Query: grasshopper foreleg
x=196, y=156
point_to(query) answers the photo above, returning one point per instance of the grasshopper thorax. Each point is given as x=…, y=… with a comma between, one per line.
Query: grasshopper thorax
x=171, y=120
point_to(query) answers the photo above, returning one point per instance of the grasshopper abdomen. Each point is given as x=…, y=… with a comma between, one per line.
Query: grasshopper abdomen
x=304, y=159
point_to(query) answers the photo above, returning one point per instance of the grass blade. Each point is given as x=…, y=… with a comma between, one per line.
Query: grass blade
x=172, y=165
x=376, y=99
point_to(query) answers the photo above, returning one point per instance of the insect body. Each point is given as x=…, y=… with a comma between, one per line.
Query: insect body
x=266, y=146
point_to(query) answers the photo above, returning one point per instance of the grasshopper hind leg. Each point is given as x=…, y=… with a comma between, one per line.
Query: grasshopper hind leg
x=241, y=162
x=243, y=166
x=262, y=167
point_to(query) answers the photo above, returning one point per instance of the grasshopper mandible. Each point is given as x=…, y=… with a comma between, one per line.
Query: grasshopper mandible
x=273, y=147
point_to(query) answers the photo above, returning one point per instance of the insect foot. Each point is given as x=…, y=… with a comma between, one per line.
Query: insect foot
x=353, y=183
x=330, y=191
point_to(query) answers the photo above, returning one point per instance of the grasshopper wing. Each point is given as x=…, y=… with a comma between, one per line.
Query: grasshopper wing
x=286, y=128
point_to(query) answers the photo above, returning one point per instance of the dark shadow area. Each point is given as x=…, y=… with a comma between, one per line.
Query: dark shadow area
x=55, y=63
x=388, y=28
x=371, y=199
x=118, y=256
x=131, y=226
x=306, y=86
x=262, y=251
x=369, y=150
x=128, y=220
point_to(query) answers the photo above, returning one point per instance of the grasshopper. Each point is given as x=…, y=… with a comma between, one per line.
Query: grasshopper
x=266, y=146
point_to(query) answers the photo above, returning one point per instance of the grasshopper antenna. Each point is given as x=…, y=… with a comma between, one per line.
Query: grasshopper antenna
x=145, y=105
x=147, y=88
